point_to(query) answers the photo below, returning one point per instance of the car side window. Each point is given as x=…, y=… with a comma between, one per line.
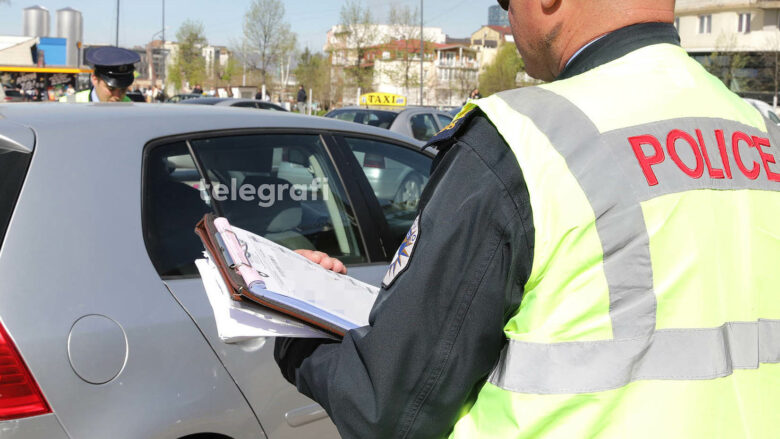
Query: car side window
x=443, y=120
x=397, y=176
x=173, y=202
x=423, y=126
x=245, y=105
x=283, y=187
x=349, y=116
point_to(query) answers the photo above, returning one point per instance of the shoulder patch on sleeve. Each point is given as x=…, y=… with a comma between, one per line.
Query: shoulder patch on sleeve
x=403, y=255
x=445, y=136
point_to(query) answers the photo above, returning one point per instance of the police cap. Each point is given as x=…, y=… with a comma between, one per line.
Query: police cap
x=114, y=65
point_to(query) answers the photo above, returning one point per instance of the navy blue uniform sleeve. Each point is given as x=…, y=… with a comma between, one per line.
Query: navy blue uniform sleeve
x=436, y=332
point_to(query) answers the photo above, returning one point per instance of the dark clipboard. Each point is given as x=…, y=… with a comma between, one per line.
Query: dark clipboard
x=240, y=291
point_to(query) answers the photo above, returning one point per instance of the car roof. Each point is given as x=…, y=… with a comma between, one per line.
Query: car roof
x=215, y=100
x=205, y=100
x=109, y=120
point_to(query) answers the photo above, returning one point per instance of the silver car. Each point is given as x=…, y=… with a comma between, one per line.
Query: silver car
x=420, y=123
x=105, y=327
x=234, y=102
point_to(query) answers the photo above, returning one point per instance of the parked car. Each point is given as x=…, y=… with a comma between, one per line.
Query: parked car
x=420, y=123
x=136, y=96
x=10, y=95
x=234, y=102
x=765, y=109
x=183, y=97
x=105, y=327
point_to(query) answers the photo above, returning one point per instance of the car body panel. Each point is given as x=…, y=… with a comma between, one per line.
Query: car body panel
x=177, y=376
x=16, y=137
x=283, y=411
x=36, y=427
x=234, y=102
x=157, y=382
x=765, y=110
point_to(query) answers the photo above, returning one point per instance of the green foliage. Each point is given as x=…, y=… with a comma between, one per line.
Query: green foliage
x=404, y=43
x=231, y=69
x=356, y=20
x=188, y=62
x=268, y=35
x=501, y=73
x=313, y=71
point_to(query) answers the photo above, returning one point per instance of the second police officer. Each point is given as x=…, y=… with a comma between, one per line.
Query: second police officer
x=114, y=73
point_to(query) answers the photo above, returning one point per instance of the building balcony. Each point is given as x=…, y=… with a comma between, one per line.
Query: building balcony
x=457, y=63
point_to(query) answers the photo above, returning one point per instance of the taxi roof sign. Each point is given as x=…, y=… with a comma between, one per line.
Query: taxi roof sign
x=383, y=99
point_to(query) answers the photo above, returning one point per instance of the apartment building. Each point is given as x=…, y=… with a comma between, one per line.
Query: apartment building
x=449, y=71
x=486, y=40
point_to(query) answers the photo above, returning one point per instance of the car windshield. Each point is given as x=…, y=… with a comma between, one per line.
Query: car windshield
x=376, y=118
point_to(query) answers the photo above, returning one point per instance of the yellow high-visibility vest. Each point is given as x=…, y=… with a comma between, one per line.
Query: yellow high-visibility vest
x=653, y=305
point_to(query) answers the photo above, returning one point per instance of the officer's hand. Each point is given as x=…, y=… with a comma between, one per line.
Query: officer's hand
x=323, y=260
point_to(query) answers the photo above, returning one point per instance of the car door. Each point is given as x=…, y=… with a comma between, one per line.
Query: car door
x=282, y=185
x=392, y=177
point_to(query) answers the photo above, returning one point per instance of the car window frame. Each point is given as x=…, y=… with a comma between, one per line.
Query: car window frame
x=373, y=251
x=374, y=208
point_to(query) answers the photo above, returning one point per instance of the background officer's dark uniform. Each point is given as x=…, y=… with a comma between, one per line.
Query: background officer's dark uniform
x=436, y=332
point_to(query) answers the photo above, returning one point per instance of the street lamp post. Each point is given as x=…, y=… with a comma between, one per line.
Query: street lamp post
x=116, y=43
x=422, y=52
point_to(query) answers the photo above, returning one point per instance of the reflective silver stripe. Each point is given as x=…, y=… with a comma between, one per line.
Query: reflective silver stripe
x=607, y=170
x=619, y=220
x=673, y=354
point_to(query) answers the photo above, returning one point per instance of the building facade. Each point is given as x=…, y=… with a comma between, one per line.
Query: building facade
x=485, y=42
x=450, y=71
x=735, y=39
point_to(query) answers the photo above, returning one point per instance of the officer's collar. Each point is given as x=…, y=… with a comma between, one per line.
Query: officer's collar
x=619, y=43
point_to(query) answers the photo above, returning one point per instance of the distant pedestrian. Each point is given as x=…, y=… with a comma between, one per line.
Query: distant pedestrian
x=301, y=99
x=197, y=90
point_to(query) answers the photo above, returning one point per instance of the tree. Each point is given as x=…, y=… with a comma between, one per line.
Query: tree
x=230, y=70
x=188, y=62
x=313, y=71
x=267, y=34
x=771, y=61
x=404, y=43
x=726, y=63
x=356, y=36
x=501, y=73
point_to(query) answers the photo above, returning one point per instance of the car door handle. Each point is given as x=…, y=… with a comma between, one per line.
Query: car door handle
x=305, y=415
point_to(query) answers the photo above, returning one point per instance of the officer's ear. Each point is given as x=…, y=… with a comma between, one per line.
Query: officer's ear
x=95, y=80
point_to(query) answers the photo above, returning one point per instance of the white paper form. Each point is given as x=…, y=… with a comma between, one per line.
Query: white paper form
x=323, y=292
x=237, y=321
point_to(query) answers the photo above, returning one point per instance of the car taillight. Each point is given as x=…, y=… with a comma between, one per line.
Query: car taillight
x=8, y=99
x=374, y=161
x=20, y=396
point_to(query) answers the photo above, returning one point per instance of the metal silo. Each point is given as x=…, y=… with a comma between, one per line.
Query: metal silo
x=70, y=25
x=36, y=22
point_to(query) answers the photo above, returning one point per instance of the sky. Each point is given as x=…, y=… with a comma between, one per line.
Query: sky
x=140, y=20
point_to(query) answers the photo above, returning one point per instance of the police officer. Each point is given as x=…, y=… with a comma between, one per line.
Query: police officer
x=594, y=257
x=113, y=75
